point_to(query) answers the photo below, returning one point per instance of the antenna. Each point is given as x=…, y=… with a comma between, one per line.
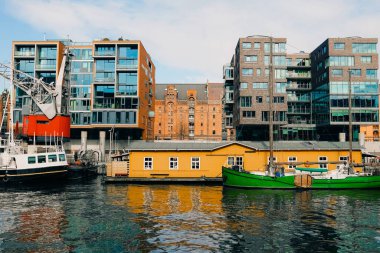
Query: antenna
x=44, y=36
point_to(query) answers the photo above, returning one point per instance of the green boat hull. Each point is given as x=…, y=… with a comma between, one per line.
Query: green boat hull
x=233, y=178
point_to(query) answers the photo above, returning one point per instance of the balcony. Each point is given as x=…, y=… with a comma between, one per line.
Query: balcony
x=299, y=64
x=298, y=75
x=105, y=53
x=127, y=64
x=299, y=99
x=25, y=53
x=105, y=79
x=298, y=111
x=298, y=86
x=45, y=67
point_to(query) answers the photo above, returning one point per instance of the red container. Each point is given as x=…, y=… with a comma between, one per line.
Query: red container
x=40, y=126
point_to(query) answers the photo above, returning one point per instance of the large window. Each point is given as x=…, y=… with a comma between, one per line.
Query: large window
x=105, y=50
x=337, y=72
x=246, y=45
x=105, y=71
x=235, y=161
x=31, y=159
x=127, y=83
x=250, y=58
x=371, y=73
x=246, y=101
x=356, y=72
x=243, y=86
x=249, y=114
x=48, y=52
x=195, y=163
x=340, y=61
x=260, y=86
x=247, y=72
x=148, y=163
x=339, y=46
x=357, y=87
x=41, y=159
x=173, y=163
x=364, y=47
x=280, y=88
x=366, y=59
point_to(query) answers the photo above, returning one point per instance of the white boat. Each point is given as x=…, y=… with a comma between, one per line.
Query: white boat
x=34, y=164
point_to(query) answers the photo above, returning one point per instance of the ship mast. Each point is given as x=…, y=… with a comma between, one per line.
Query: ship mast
x=270, y=89
x=350, y=120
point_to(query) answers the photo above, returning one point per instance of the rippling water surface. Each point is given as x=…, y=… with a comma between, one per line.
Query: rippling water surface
x=92, y=217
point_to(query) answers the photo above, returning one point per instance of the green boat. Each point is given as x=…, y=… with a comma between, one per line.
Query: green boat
x=321, y=180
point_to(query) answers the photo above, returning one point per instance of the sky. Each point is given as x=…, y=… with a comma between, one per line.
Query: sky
x=188, y=40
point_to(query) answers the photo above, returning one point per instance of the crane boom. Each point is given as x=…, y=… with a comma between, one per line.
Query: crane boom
x=47, y=96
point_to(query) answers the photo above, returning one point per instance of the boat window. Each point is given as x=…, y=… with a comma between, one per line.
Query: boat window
x=62, y=158
x=31, y=159
x=41, y=159
x=52, y=158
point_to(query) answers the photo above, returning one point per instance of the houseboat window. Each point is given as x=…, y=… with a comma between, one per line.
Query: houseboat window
x=343, y=158
x=173, y=163
x=148, y=163
x=31, y=159
x=41, y=159
x=231, y=160
x=52, y=158
x=274, y=159
x=239, y=161
x=322, y=159
x=292, y=159
x=62, y=158
x=195, y=163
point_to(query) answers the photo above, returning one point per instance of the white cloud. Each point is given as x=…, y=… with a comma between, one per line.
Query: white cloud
x=197, y=37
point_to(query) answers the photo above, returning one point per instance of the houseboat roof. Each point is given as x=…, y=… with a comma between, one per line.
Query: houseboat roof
x=254, y=145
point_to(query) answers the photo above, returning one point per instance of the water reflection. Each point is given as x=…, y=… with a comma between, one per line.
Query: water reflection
x=92, y=217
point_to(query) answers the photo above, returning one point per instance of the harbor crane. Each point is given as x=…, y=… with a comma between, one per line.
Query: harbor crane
x=46, y=113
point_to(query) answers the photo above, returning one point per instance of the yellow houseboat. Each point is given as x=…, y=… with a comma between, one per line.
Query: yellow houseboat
x=203, y=161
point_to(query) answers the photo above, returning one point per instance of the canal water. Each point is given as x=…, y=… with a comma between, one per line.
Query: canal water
x=89, y=216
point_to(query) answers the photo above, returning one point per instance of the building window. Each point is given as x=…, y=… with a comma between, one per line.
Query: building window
x=250, y=58
x=246, y=45
x=256, y=45
x=324, y=160
x=246, y=101
x=213, y=132
x=247, y=72
x=274, y=159
x=366, y=59
x=343, y=158
x=195, y=163
x=249, y=114
x=356, y=72
x=340, y=61
x=364, y=47
x=258, y=72
x=263, y=86
x=173, y=163
x=371, y=73
x=337, y=72
x=339, y=46
x=292, y=159
x=243, y=86
x=259, y=99
x=148, y=163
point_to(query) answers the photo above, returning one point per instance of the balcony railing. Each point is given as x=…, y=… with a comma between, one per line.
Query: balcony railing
x=298, y=86
x=104, y=79
x=129, y=64
x=105, y=53
x=298, y=99
x=45, y=67
x=298, y=75
x=298, y=110
x=24, y=53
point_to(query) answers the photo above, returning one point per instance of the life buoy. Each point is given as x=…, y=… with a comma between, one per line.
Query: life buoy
x=307, y=165
x=5, y=179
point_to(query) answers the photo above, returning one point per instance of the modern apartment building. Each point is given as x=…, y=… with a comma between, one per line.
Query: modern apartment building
x=4, y=110
x=112, y=84
x=310, y=93
x=331, y=63
x=228, y=132
x=251, y=69
x=189, y=111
